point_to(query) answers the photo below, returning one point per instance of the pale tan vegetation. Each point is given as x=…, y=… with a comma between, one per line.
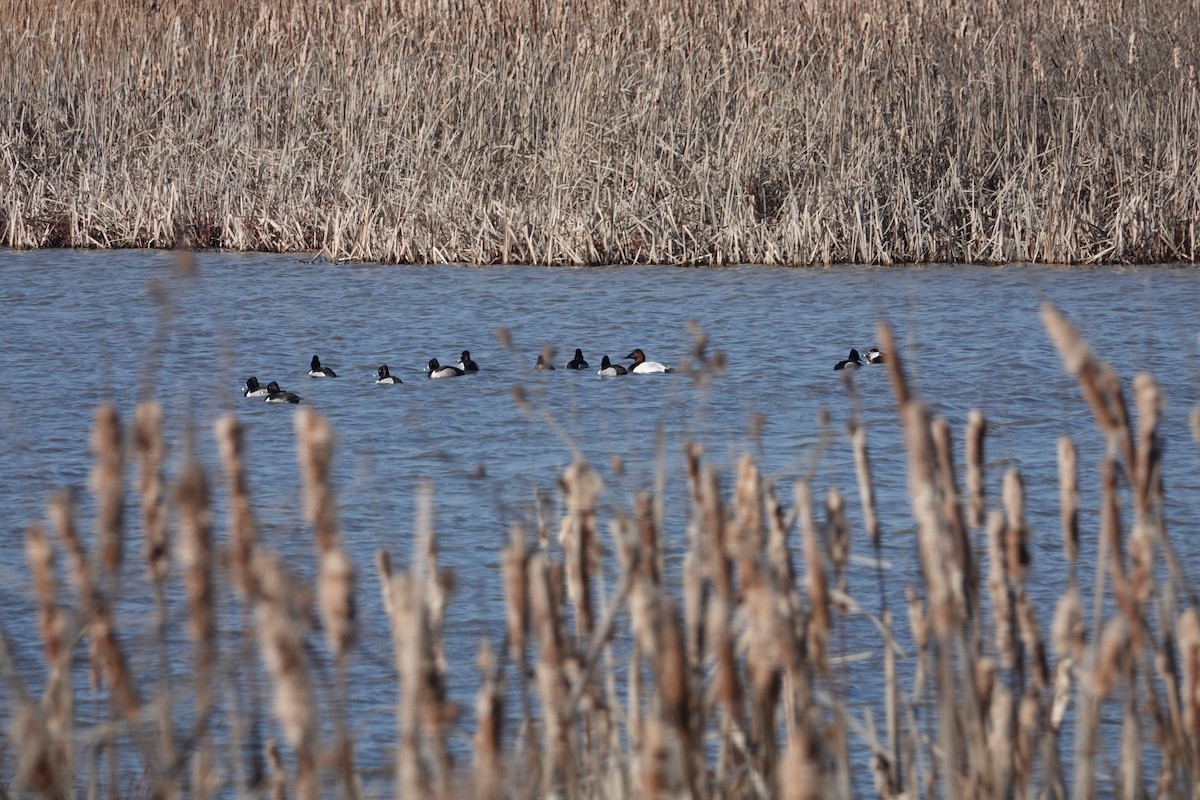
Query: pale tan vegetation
x=722, y=678
x=607, y=132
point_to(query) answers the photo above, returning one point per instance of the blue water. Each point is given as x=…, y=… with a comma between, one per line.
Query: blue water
x=81, y=327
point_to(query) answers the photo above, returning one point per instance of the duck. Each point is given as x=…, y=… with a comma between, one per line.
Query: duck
x=642, y=367
x=253, y=389
x=277, y=395
x=853, y=362
x=315, y=370
x=466, y=364
x=609, y=369
x=543, y=364
x=874, y=356
x=385, y=376
x=436, y=370
x=578, y=361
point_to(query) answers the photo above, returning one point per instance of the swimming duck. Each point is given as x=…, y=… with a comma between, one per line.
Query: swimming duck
x=277, y=395
x=609, y=369
x=577, y=362
x=315, y=370
x=436, y=370
x=253, y=389
x=543, y=364
x=874, y=356
x=642, y=367
x=853, y=362
x=385, y=376
x=466, y=364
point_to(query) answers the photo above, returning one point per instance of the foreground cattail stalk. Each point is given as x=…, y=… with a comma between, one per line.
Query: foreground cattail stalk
x=336, y=572
x=148, y=444
x=107, y=483
x=241, y=516
x=281, y=645
x=976, y=490
x=196, y=557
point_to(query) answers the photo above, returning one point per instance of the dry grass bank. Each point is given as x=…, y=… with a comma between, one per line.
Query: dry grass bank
x=718, y=682
x=881, y=131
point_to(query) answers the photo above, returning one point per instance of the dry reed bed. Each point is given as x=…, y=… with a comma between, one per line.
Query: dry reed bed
x=717, y=682
x=547, y=132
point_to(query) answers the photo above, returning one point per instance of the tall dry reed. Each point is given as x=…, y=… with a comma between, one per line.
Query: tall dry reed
x=721, y=132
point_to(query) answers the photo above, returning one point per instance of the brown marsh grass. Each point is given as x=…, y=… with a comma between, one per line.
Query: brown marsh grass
x=720, y=681
x=607, y=132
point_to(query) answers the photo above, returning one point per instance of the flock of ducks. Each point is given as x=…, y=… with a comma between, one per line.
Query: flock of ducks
x=855, y=360
x=272, y=393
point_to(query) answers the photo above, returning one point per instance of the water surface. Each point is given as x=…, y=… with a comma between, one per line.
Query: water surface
x=81, y=327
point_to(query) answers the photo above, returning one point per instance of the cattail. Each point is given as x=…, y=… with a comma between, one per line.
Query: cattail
x=1111, y=657
x=918, y=623
x=46, y=756
x=779, y=556
x=818, y=595
x=489, y=714
x=61, y=511
x=40, y=555
x=1062, y=692
x=336, y=570
x=933, y=543
x=961, y=564
x=1110, y=534
x=148, y=444
x=241, y=516
x=1130, y=778
x=800, y=775
x=999, y=591
x=314, y=447
x=276, y=780
x=577, y=535
x=1001, y=742
x=1031, y=639
x=984, y=678
x=335, y=592
x=1015, y=531
x=839, y=535
x=654, y=761
x=36, y=768
x=895, y=364
x=1187, y=632
x=516, y=599
x=649, y=560
x=195, y=554
x=1111, y=386
x=862, y=470
x=675, y=693
x=403, y=604
x=1078, y=360
x=107, y=483
x=107, y=659
x=976, y=431
x=281, y=644
x=1146, y=467
x=1068, y=494
x=557, y=764
x=1067, y=631
x=726, y=685
x=747, y=539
